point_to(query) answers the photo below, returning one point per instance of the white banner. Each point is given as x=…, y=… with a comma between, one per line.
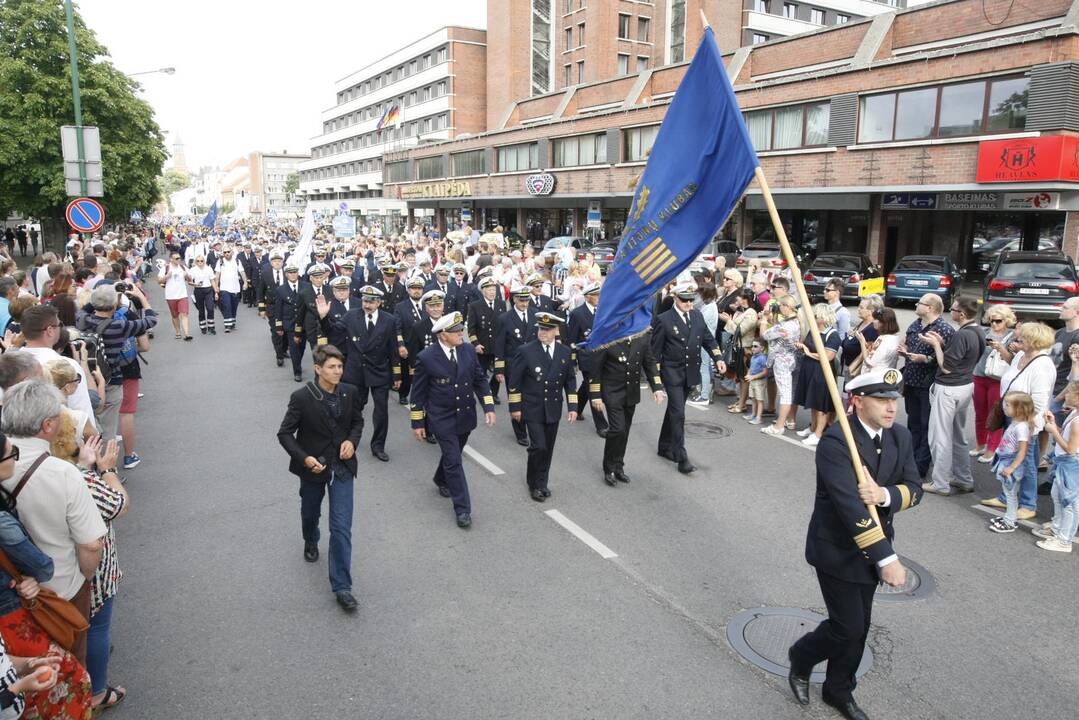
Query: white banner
x=302, y=253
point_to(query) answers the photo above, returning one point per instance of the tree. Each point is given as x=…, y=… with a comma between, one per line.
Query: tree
x=174, y=181
x=292, y=184
x=35, y=100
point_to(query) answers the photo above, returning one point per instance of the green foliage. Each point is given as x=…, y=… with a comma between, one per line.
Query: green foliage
x=173, y=181
x=35, y=100
x=292, y=184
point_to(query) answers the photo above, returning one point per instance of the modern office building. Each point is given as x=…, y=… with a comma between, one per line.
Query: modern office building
x=945, y=128
x=269, y=177
x=430, y=90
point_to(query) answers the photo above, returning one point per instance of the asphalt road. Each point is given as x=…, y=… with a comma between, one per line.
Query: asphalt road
x=219, y=616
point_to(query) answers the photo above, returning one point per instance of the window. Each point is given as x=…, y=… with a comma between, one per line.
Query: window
x=443, y=54
x=426, y=93
x=623, y=64
x=760, y=6
x=426, y=61
x=580, y=71
x=789, y=127
x=790, y=10
x=644, y=25
x=412, y=96
x=442, y=121
x=441, y=89
x=569, y=75
x=580, y=150
x=642, y=63
x=965, y=108
x=842, y=19
x=569, y=38
x=677, y=28
x=541, y=46
x=816, y=16
x=429, y=167
x=580, y=34
x=623, y=26
x=568, y=7
x=518, y=157
x=758, y=38
x=637, y=142
x=412, y=64
x=472, y=162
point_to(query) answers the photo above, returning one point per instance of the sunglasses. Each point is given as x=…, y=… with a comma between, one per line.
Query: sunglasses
x=995, y=321
x=76, y=381
x=13, y=456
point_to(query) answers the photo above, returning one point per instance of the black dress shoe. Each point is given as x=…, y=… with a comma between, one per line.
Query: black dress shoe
x=464, y=520
x=523, y=442
x=402, y=401
x=297, y=377
x=346, y=601
x=610, y=479
x=381, y=455
x=799, y=683
x=431, y=439
x=546, y=492
x=310, y=552
x=621, y=476
x=443, y=491
x=497, y=401
x=686, y=467
x=602, y=432
x=666, y=456
x=537, y=495
x=280, y=362
x=847, y=708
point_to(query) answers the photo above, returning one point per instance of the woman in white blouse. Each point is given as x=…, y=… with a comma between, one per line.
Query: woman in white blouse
x=173, y=277
x=883, y=352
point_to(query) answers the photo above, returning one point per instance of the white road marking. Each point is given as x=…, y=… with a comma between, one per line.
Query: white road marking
x=997, y=512
x=484, y=462
x=702, y=408
x=581, y=534
x=790, y=441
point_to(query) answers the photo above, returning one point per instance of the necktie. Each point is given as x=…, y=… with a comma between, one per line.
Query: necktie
x=522, y=317
x=876, y=443
x=370, y=324
x=491, y=304
x=277, y=277
x=293, y=286
x=453, y=359
x=550, y=351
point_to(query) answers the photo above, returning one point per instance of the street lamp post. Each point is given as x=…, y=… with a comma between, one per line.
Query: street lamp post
x=76, y=98
x=165, y=70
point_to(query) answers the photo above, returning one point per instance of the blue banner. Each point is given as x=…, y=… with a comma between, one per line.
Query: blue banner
x=211, y=217
x=701, y=163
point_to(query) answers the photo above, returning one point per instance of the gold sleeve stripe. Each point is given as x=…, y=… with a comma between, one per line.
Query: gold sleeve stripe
x=904, y=494
x=869, y=537
x=515, y=397
x=716, y=352
x=323, y=341
x=571, y=398
x=279, y=323
x=400, y=339
x=396, y=369
x=472, y=339
x=500, y=363
x=656, y=380
x=488, y=400
x=416, y=414
x=298, y=328
x=593, y=387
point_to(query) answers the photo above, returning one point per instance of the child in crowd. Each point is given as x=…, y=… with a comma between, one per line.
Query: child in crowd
x=1008, y=462
x=757, y=377
x=1057, y=535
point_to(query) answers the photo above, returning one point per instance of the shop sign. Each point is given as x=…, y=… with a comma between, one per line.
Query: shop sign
x=923, y=201
x=344, y=226
x=1031, y=201
x=970, y=201
x=540, y=184
x=466, y=215
x=894, y=201
x=1029, y=160
x=595, y=214
x=436, y=190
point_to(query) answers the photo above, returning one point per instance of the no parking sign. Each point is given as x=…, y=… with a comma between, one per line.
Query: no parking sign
x=85, y=215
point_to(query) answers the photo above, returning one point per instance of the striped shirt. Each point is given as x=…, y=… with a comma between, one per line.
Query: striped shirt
x=107, y=576
x=114, y=334
x=8, y=676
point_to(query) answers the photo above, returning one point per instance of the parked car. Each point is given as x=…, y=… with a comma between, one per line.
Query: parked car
x=727, y=249
x=1032, y=284
x=915, y=275
x=851, y=268
x=985, y=255
x=602, y=252
x=770, y=254
x=561, y=242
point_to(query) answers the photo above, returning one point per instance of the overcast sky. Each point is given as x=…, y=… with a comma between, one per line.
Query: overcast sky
x=255, y=75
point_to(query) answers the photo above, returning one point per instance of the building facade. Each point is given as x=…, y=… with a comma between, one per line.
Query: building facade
x=431, y=90
x=947, y=128
x=269, y=178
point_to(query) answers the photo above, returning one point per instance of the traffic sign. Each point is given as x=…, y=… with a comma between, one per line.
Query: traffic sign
x=85, y=215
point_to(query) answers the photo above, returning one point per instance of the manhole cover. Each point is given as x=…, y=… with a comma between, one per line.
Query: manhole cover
x=763, y=635
x=706, y=430
x=919, y=584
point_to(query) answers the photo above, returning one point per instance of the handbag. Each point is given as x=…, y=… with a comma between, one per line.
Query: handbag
x=995, y=420
x=995, y=365
x=60, y=619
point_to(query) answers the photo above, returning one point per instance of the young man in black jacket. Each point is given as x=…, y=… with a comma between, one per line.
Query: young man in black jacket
x=320, y=432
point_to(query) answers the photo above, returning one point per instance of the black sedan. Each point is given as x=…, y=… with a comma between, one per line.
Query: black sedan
x=1033, y=284
x=602, y=254
x=854, y=269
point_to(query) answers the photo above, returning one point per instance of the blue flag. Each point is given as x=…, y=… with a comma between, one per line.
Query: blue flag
x=701, y=163
x=211, y=217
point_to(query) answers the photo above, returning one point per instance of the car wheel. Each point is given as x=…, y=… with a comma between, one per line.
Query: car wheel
x=889, y=302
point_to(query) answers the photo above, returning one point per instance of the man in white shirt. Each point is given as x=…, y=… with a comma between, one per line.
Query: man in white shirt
x=41, y=329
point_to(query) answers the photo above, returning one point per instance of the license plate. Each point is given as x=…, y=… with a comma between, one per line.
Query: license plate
x=1033, y=291
x=918, y=283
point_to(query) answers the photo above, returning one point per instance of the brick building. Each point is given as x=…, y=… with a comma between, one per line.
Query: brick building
x=946, y=128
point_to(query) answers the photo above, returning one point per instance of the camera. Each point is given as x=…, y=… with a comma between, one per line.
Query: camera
x=121, y=287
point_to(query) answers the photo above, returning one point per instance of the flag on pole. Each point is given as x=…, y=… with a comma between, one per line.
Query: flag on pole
x=700, y=165
x=211, y=217
x=392, y=115
x=302, y=253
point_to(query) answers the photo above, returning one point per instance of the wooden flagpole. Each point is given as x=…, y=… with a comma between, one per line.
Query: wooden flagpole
x=814, y=331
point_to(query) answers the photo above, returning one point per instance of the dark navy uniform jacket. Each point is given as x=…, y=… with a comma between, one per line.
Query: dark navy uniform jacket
x=578, y=329
x=372, y=359
x=391, y=294
x=444, y=398
x=332, y=327
x=843, y=540
x=421, y=337
x=511, y=333
x=449, y=302
x=482, y=321
x=266, y=292
x=677, y=348
x=288, y=308
x=407, y=316
x=309, y=319
x=616, y=371
x=536, y=382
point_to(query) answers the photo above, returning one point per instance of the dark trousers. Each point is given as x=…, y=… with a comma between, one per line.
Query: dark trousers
x=380, y=416
x=620, y=419
x=295, y=350
x=583, y=400
x=451, y=470
x=204, y=302
x=917, y=403
x=406, y=381
x=340, y=486
x=841, y=638
x=249, y=295
x=541, y=439
x=672, y=434
x=229, y=302
x=279, y=342
x=487, y=362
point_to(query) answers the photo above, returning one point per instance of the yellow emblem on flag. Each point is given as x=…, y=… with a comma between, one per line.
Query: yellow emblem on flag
x=642, y=202
x=653, y=261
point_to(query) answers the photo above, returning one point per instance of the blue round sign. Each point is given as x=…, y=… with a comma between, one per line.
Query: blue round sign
x=85, y=215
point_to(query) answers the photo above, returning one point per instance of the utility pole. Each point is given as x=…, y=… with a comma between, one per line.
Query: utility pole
x=74, y=51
